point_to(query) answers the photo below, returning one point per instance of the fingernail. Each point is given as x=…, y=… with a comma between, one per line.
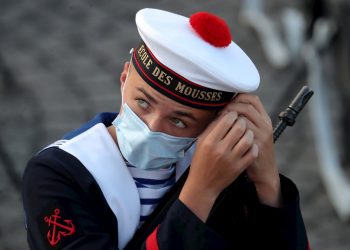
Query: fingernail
x=251, y=136
x=233, y=115
x=255, y=150
x=242, y=121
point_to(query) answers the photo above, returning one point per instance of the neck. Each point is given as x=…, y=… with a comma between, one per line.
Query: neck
x=112, y=132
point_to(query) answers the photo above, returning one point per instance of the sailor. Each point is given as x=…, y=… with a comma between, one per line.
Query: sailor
x=186, y=100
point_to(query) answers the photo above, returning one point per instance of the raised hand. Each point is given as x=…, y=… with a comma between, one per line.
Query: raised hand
x=263, y=172
x=224, y=150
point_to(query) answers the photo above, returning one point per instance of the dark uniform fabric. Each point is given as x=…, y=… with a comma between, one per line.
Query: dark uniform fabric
x=65, y=209
x=248, y=224
x=55, y=179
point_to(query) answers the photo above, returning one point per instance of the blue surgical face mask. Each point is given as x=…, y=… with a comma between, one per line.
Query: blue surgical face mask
x=143, y=148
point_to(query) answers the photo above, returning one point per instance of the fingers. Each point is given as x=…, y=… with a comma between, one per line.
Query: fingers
x=240, y=139
x=246, y=110
x=250, y=156
x=244, y=144
x=250, y=107
x=251, y=99
x=221, y=127
x=235, y=133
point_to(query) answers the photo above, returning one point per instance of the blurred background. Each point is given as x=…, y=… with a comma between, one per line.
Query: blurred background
x=60, y=63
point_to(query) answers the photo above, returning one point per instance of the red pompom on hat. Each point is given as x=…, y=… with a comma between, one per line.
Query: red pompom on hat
x=211, y=29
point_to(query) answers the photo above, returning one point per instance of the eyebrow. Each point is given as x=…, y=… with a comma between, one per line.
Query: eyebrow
x=147, y=95
x=177, y=112
x=189, y=115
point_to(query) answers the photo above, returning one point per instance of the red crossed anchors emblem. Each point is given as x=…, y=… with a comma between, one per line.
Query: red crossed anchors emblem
x=57, y=229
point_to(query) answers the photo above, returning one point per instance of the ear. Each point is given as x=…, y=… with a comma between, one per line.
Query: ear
x=124, y=73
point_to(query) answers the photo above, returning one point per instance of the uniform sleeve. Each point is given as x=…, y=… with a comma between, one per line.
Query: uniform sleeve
x=61, y=212
x=182, y=229
x=279, y=228
x=238, y=222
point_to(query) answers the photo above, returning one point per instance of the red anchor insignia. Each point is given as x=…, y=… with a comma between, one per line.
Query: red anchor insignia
x=57, y=229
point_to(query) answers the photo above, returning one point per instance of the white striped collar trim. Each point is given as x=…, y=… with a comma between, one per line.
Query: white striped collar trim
x=98, y=152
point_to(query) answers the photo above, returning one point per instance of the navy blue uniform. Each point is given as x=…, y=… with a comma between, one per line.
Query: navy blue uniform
x=66, y=209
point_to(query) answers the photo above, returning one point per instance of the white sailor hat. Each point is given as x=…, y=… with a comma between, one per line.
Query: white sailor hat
x=192, y=60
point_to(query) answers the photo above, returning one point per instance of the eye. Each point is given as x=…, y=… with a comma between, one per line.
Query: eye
x=142, y=103
x=179, y=123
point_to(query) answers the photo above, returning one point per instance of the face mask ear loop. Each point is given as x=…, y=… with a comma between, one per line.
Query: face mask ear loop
x=127, y=76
